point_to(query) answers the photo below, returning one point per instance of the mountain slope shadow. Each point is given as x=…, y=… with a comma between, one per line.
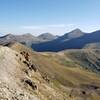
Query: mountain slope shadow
x=60, y=44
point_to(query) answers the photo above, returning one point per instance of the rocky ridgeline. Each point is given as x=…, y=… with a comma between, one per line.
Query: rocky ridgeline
x=34, y=80
x=11, y=88
x=20, y=78
x=30, y=67
x=28, y=61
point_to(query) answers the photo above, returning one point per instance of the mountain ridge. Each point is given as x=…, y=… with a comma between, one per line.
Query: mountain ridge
x=75, y=39
x=60, y=44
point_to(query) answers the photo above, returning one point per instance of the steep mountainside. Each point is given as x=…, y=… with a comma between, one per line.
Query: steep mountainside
x=12, y=75
x=21, y=80
x=64, y=74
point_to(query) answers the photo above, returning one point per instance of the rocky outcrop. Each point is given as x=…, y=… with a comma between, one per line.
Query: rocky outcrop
x=11, y=88
x=12, y=93
x=20, y=79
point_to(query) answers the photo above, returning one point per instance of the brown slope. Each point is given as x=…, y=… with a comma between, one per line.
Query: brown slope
x=88, y=58
x=65, y=74
x=11, y=76
x=20, y=79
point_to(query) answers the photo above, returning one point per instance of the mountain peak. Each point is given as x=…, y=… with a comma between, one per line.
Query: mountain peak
x=74, y=34
x=7, y=36
x=77, y=30
x=47, y=36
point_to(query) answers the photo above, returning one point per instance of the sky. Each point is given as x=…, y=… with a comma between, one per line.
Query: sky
x=53, y=16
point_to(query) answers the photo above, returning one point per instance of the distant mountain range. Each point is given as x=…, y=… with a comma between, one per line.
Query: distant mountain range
x=72, y=40
x=27, y=39
x=75, y=39
x=24, y=39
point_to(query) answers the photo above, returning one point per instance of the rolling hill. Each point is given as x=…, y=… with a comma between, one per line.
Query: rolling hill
x=88, y=59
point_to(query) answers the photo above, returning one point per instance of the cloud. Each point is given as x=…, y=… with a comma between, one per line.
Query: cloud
x=47, y=26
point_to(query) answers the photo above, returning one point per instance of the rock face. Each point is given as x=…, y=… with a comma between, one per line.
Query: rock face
x=9, y=93
x=10, y=77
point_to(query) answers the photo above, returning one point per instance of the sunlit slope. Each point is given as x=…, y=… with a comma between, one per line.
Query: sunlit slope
x=66, y=71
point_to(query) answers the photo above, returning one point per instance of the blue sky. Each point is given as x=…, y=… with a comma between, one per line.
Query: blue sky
x=54, y=16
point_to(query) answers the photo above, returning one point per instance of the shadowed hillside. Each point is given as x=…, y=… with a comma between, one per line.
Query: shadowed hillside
x=61, y=43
